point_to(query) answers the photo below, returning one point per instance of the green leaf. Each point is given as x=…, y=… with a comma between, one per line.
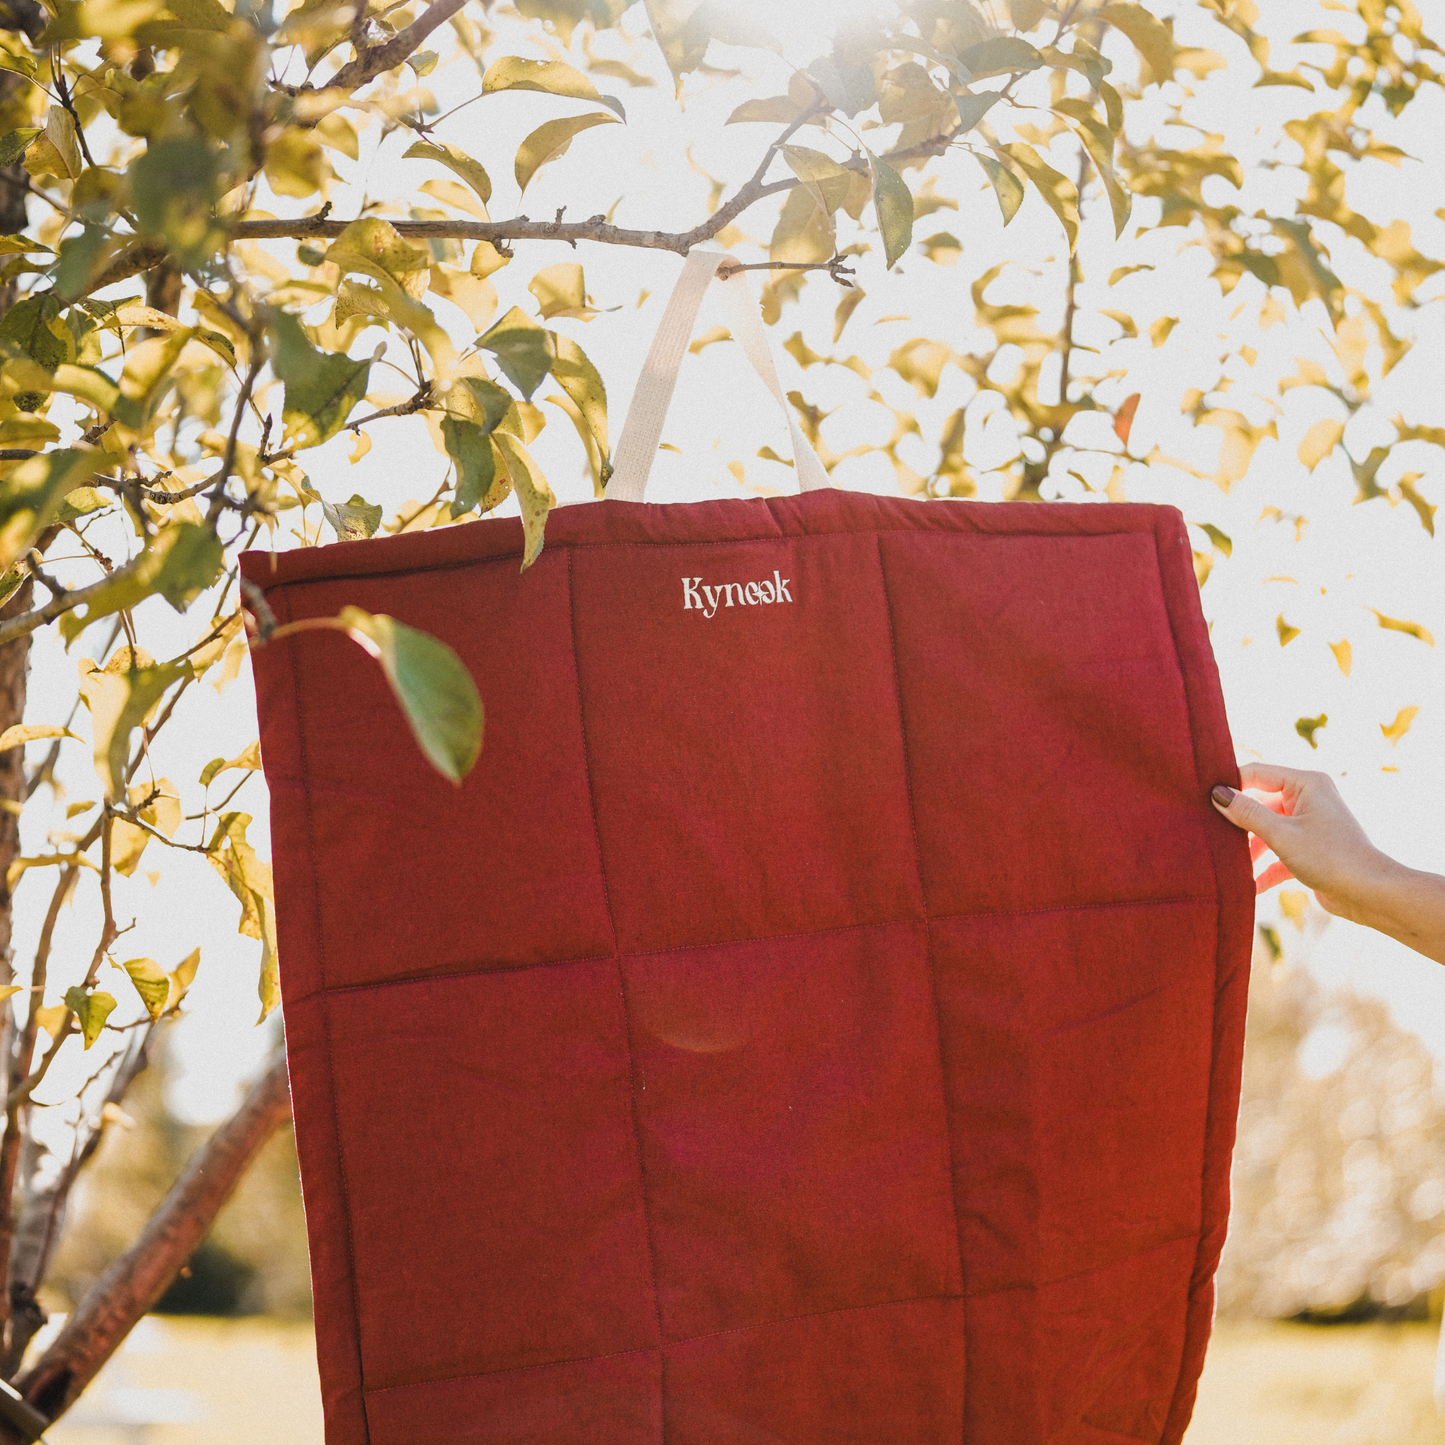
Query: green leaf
x=33, y=494
x=423, y=62
x=1307, y=727
x=175, y=185
x=20, y=64
x=582, y=382
x=322, y=388
x=973, y=106
x=551, y=140
x=34, y=326
x=436, y=692
x=1002, y=55
x=1058, y=191
x=82, y=502
x=532, y=491
x=1006, y=186
x=151, y=982
x=352, y=521
x=469, y=446
x=893, y=202
x=91, y=1011
x=15, y=143
x=554, y=77
x=472, y=172
x=521, y=349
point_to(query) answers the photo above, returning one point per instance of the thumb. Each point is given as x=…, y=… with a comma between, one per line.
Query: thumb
x=1247, y=813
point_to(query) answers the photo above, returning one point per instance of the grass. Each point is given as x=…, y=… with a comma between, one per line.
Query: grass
x=222, y=1382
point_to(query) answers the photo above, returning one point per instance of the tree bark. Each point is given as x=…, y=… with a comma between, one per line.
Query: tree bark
x=141, y=1275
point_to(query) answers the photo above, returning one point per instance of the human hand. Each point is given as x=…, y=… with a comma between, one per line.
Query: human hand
x=1316, y=839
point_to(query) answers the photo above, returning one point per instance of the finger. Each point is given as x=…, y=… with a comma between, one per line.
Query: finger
x=1275, y=873
x=1249, y=813
x=1270, y=777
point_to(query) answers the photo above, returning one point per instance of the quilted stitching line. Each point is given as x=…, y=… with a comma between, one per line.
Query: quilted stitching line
x=569, y=547
x=326, y=1029
x=483, y=970
x=621, y=993
x=676, y=1344
x=1209, y=1120
x=927, y=923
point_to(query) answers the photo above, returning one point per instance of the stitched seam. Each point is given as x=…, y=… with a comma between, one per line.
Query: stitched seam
x=482, y=970
x=1218, y=956
x=417, y=571
x=326, y=1030
x=675, y=1344
x=1082, y=1273
x=622, y=997
x=927, y=924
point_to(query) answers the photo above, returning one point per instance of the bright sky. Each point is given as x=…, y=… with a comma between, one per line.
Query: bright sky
x=1350, y=558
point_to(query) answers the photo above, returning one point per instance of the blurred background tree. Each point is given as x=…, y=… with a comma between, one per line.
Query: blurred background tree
x=240, y=243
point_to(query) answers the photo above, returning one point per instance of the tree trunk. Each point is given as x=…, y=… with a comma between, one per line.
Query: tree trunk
x=141, y=1275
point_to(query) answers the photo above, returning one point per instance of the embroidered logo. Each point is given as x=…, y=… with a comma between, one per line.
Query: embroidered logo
x=707, y=600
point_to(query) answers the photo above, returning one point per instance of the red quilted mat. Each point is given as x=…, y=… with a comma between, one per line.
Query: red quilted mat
x=817, y=1019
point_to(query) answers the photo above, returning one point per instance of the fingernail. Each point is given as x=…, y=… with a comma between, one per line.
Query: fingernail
x=1222, y=795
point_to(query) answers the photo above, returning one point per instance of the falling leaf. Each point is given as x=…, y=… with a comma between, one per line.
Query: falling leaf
x=1159, y=331
x=1294, y=903
x=1319, y=441
x=1410, y=629
x=1219, y=540
x=1343, y=655
x=1124, y=418
x=1397, y=729
x=551, y=140
x=1287, y=634
x=437, y=695
x=1307, y=727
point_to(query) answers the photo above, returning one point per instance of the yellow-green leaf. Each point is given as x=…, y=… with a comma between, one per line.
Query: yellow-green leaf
x=1410, y=629
x=376, y=247
x=247, y=760
x=532, y=491
x=1152, y=38
x=13, y=737
x=53, y=1018
x=1307, y=727
x=521, y=349
x=1059, y=192
x=119, y=702
x=56, y=150
x=151, y=982
x=551, y=140
x=1007, y=187
x=321, y=388
x=1001, y=55
x=249, y=878
x=561, y=290
x=826, y=181
x=893, y=202
x=91, y=1011
x=1319, y=441
x=1396, y=730
x=555, y=77
x=352, y=521
x=437, y=695
x=457, y=160
x=32, y=495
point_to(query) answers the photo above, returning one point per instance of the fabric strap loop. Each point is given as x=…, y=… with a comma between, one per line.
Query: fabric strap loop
x=642, y=432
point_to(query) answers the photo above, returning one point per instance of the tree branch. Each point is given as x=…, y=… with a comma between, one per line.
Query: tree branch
x=373, y=60
x=143, y=1273
x=27, y=622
